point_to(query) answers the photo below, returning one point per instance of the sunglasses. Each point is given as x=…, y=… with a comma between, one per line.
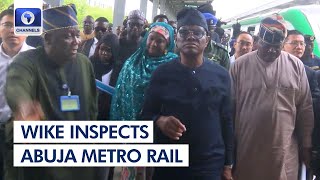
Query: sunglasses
x=97, y=29
x=184, y=33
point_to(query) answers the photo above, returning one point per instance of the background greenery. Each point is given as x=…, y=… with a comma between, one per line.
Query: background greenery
x=4, y=4
x=82, y=7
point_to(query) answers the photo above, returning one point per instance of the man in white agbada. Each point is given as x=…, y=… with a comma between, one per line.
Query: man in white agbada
x=273, y=109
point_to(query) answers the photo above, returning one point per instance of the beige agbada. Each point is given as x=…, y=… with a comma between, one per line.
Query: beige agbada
x=273, y=114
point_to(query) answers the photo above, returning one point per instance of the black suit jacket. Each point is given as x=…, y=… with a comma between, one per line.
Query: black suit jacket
x=85, y=46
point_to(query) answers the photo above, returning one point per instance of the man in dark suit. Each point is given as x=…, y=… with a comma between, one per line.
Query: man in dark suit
x=100, y=28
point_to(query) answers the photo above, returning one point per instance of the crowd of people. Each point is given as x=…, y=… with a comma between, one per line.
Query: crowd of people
x=252, y=115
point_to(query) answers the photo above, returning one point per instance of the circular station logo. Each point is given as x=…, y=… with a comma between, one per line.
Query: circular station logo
x=27, y=18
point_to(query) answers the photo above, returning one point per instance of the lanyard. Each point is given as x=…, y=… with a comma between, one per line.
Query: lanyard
x=64, y=81
x=69, y=115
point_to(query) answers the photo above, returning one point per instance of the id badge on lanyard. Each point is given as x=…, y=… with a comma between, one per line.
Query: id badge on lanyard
x=70, y=102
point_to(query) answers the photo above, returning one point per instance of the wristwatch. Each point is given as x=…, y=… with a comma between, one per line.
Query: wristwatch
x=228, y=166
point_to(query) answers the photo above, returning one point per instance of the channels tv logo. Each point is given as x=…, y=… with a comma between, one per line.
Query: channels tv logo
x=27, y=18
x=28, y=21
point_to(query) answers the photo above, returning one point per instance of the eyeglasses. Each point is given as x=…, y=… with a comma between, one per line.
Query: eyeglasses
x=244, y=43
x=7, y=25
x=97, y=29
x=297, y=43
x=184, y=33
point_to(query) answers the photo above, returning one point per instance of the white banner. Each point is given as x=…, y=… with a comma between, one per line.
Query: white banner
x=83, y=132
x=143, y=155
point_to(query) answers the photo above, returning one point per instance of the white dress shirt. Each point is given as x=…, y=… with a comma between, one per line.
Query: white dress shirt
x=5, y=61
x=93, y=47
x=232, y=59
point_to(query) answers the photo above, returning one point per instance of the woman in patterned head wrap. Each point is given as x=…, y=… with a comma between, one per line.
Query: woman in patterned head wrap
x=155, y=49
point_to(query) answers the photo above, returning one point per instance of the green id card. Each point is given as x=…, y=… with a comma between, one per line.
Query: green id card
x=69, y=103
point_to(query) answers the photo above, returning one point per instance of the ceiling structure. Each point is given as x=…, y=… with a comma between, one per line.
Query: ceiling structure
x=273, y=6
x=174, y=6
x=177, y=5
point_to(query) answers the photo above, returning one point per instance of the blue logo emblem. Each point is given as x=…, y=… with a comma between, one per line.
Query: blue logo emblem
x=28, y=21
x=28, y=17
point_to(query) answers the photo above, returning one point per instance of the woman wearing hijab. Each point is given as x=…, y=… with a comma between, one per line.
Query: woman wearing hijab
x=155, y=49
x=103, y=59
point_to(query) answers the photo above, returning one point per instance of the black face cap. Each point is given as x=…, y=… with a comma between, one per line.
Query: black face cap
x=191, y=16
x=309, y=39
x=206, y=8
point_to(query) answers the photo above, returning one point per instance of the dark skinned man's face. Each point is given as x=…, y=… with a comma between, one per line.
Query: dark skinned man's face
x=192, y=40
x=64, y=43
x=134, y=28
x=268, y=52
x=100, y=28
x=88, y=25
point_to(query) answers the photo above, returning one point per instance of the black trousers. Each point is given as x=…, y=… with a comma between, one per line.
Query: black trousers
x=2, y=150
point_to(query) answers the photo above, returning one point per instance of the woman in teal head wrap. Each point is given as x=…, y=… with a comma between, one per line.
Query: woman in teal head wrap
x=155, y=49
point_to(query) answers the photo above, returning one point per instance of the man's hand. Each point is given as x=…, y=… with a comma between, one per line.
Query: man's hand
x=171, y=127
x=306, y=157
x=227, y=174
x=29, y=111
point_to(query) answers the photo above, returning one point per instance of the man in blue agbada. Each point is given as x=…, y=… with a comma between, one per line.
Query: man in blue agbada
x=155, y=49
x=189, y=100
